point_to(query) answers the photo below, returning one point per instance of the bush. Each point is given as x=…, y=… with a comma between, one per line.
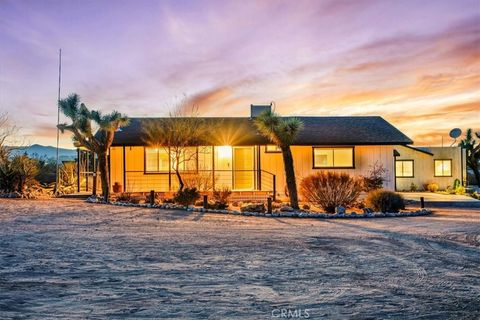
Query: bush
x=186, y=196
x=221, y=197
x=124, y=197
x=385, y=201
x=413, y=187
x=432, y=187
x=329, y=190
x=456, y=184
x=460, y=190
x=375, y=178
x=47, y=171
x=17, y=173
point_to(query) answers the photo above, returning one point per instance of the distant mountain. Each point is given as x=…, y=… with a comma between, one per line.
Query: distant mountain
x=48, y=152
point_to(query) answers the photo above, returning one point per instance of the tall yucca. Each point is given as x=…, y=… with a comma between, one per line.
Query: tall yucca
x=283, y=133
x=97, y=141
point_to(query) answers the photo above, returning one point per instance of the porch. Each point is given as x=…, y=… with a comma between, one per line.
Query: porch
x=141, y=169
x=251, y=184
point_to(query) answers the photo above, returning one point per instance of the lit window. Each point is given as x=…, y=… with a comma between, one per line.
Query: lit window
x=271, y=148
x=404, y=168
x=156, y=160
x=333, y=158
x=187, y=159
x=223, y=157
x=151, y=159
x=443, y=168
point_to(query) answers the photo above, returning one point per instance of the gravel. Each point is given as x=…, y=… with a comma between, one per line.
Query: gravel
x=71, y=259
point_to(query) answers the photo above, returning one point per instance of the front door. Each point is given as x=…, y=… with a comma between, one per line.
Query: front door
x=243, y=168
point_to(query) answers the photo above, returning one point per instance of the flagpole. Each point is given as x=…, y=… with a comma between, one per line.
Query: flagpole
x=57, y=180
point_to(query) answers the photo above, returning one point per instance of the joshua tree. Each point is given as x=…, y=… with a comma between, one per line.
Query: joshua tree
x=98, y=139
x=177, y=134
x=282, y=132
x=473, y=153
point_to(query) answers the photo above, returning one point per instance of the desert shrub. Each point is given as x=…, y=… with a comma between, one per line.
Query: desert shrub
x=68, y=173
x=221, y=197
x=450, y=190
x=186, y=196
x=432, y=187
x=375, y=178
x=460, y=190
x=331, y=189
x=47, y=170
x=385, y=201
x=17, y=173
x=456, y=183
x=124, y=197
x=413, y=187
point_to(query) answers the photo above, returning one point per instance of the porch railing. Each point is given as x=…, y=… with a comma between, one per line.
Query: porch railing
x=205, y=180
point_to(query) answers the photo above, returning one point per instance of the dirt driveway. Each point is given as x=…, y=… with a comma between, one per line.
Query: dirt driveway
x=70, y=259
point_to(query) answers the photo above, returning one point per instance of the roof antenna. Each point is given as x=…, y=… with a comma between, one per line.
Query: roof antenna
x=57, y=180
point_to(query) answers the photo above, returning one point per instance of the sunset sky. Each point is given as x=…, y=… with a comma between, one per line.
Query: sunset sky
x=416, y=63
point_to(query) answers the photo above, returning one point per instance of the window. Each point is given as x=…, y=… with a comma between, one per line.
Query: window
x=404, y=168
x=188, y=159
x=156, y=160
x=443, y=168
x=333, y=157
x=272, y=149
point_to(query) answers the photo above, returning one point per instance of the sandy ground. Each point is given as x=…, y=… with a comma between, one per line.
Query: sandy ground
x=70, y=259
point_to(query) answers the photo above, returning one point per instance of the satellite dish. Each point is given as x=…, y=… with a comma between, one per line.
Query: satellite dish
x=455, y=133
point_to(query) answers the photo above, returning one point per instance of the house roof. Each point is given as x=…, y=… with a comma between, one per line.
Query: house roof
x=370, y=130
x=421, y=149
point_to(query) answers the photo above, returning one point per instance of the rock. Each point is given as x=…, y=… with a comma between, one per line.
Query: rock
x=340, y=210
x=258, y=207
x=93, y=199
x=367, y=210
x=286, y=209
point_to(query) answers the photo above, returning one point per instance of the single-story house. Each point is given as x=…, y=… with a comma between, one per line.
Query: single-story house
x=245, y=161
